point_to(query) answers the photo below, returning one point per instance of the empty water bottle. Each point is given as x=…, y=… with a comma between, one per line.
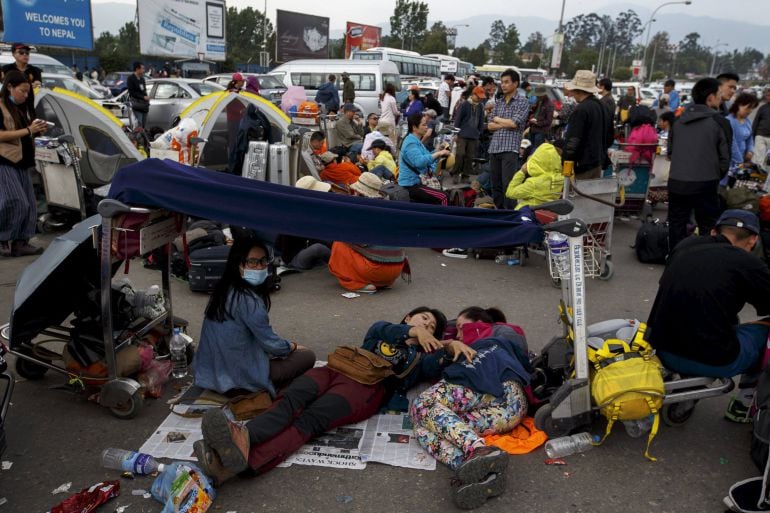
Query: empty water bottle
x=513, y=261
x=130, y=461
x=558, y=246
x=178, y=349
x=639, y=427
x=503, y=259
x=566, y=445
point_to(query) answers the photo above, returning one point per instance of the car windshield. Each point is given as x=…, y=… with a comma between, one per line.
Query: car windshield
x=72, y=85
x=270, y=82
x=204, y=88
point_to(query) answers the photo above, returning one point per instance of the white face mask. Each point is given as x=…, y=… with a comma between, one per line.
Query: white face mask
x=255, y=277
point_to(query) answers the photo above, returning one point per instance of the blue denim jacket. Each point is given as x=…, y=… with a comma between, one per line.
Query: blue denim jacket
x=236, y=353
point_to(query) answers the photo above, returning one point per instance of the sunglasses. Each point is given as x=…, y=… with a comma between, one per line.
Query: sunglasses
x=255, y=263
x=22, y=52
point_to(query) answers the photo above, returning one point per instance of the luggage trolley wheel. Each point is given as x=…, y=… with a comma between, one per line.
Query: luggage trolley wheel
x=607, y=271
x=29, y=370
x=123, y=397
x=677, y=414
x=544, y=422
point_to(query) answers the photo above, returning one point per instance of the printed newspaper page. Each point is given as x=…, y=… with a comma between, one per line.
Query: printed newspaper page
x=390, y=439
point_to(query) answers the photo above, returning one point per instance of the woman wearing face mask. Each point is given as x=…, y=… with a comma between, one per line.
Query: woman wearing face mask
x=18, y=128
x=239, y=351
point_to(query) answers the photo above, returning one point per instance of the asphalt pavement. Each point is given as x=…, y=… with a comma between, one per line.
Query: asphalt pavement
x=57, y=437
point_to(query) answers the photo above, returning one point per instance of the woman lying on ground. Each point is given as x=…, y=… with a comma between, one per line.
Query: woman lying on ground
x=323, y=399
x=473, y=399
x=239, y=351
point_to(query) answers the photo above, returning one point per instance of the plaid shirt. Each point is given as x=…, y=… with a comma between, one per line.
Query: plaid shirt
x=506, y=139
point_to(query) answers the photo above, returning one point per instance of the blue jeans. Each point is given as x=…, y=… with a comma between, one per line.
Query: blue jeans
x=753, y=341
x=382, y=172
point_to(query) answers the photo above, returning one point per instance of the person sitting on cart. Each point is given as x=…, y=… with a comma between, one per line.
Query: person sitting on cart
x=338, y=169
x=694, y=324
x=350, y=131
x=239, y=352
x=540, y=178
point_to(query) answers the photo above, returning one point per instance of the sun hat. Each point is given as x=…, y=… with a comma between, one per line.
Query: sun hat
x=328, y=156
x=311, y=184
x=584, y=80
x=368, y=185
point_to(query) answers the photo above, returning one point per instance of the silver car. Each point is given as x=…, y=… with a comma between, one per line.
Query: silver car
x=270, y=88
x=169, y=97
x=74, y=85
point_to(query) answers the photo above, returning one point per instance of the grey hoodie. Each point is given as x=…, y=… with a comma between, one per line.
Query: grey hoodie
x=698, y=149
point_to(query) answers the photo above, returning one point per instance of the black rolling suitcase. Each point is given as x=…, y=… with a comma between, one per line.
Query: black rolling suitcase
x=207, y=266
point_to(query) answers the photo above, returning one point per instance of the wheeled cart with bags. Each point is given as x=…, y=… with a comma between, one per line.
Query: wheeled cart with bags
x=71, y=316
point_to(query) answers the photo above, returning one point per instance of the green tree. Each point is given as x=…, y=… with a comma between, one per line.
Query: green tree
x=435, y=40
x=476, y=56
x=622, y=74
x=409, y=23
x=504, y=43
x=246, y=30
x=535, y=43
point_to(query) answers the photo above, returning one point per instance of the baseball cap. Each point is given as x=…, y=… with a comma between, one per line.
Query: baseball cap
x=348, y=106
x=378, y=143
x=19, y=46
x=740, y=219
x=237, y=77
x=480, y=92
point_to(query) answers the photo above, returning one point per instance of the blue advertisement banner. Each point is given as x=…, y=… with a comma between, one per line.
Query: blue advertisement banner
x=63, y=23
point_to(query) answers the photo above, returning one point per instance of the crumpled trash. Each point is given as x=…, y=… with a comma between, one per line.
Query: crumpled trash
x=344, y=499
x=63, y=488
x=6, y=465
x=88, y=499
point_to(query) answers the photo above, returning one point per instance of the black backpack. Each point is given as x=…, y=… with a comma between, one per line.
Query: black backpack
x=652, y=241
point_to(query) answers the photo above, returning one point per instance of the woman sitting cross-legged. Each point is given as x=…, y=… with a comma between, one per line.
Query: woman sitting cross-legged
x=239, y=352
x=474, y=399
x=415, y=160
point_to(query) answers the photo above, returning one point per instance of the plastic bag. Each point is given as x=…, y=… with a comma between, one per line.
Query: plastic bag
x=154, y=377
x=183, y=488
x=88, y=499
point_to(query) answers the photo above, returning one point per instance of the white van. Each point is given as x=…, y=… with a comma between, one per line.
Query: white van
x=369, y=78
x=44, y=62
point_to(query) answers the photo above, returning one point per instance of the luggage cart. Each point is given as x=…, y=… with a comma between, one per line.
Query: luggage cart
x=80, y=264
x=594, y=204
x=58, y=161
x=635, y=177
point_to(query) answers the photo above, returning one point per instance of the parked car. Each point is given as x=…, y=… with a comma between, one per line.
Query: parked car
x=270, y=88
x=44, y=62
x=648, y=95
x=170, y=96
x=116, y=81
x=98, y=87
x=74, y=85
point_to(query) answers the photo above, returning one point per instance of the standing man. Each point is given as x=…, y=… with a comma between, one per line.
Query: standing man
x=673, y=95
x=761, y=132
x=728, y=85
x=507, y=123
x=445, y=95
x=590, y=132
x=470, y=121
x=700, y=157
x=329, y=95
x=540, y=118
x=137, y=91
x=626, y=102
x=20, y=52
x=348, y=89
x=605, y=92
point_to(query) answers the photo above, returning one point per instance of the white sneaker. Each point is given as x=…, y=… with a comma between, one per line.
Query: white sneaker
x=455, y=253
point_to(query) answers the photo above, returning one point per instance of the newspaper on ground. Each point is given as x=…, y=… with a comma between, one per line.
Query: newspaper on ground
x=338, y=448
x=390, y=439
x=175, y=437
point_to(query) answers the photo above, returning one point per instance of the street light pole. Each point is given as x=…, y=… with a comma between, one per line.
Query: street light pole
x=647, y=41
x=714, y=59
x=451, y=35
x=558, y=40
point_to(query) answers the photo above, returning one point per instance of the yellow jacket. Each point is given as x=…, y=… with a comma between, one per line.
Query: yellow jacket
x=383, y=159
x=543, y=181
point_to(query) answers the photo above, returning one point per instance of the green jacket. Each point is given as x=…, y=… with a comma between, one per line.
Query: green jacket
x=348, y=91
x=543, y=181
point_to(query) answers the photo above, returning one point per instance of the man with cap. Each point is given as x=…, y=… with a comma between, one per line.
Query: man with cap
x=20, y=52
x=590, y=132
x=694, y=325
x=350, y=131
x=348, y=89
x=470, y=121
x=540, y=117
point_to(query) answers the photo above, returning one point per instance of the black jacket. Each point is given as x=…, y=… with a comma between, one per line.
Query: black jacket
x=698, y=146
x=137, y=88
x=761, y=125
x=707, y=281
x=589, y=134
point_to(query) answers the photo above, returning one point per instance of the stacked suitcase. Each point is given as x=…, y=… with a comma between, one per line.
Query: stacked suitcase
x=267, y=162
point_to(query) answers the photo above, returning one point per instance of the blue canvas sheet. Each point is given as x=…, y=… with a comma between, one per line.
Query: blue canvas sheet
x=278, y=209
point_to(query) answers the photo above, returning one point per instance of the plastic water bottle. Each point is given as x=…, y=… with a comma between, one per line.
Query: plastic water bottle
x=130, y=461
x=566, y=445
x=558, y=245
x=639, y=427
x=178, y=349
x=513, y=261
x=503, y=259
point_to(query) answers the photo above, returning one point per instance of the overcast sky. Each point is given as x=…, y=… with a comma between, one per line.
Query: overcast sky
x=378, y=11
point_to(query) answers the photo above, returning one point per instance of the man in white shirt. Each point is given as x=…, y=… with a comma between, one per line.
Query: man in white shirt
x=445, y=95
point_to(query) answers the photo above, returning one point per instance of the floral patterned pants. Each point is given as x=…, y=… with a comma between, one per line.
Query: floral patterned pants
x=449, y=419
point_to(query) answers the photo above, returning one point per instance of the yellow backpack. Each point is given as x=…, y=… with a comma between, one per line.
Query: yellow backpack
x=627, y=383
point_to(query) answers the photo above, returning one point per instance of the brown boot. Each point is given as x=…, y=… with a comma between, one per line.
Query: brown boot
x=21, y=248
x=5, y=248
x=210, y=464
x=229, y=439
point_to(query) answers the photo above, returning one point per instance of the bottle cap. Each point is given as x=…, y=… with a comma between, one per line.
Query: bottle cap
x=161, y=467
